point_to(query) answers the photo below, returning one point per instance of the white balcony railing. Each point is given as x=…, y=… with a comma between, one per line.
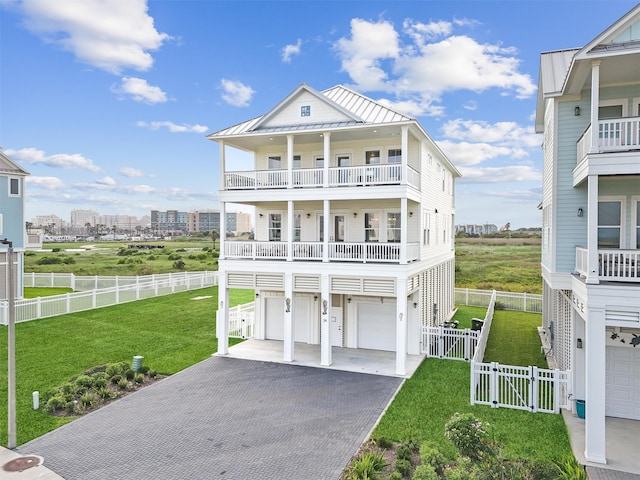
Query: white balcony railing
x=363, y=175
x=616, y=134
x=614, y=265
x=313, y=251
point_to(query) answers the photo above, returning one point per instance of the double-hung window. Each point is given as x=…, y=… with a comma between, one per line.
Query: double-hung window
x=371, y=227
x=14, y=187
x=275, y=227
x=393, y=227
x=609, y=224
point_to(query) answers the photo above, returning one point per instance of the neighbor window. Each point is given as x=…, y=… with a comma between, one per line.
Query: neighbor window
x=372, y=157
x=394, y=155
x=14, y=187
x=297, y=162
x=297, y=228
x=275, y=162
x=275, y=227
x=305, y=111
x=371, y=227
x=393, y=227
x=609, y=224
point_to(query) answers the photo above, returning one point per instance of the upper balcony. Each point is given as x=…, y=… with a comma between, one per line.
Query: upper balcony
x=616, y=150
x=614, y=265
x=351, y=176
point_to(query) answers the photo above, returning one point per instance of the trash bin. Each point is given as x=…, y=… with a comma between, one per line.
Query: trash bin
x=137, y=363
x=580, y=408
x=476, y=324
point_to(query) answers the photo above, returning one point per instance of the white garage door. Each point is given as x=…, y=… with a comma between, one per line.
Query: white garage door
x=377, y=326
x=274, y=310
x=623, y=382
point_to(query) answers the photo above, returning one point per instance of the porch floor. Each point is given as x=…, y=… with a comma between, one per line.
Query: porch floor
x=373, y=362
x=621, y=443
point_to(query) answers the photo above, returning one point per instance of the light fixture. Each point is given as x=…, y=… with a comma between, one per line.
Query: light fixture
x=257, y=294
x=308, y=215
x=355, y=214
x=349, y=300
x=411, y=214
x=580, y=212
x=260, y=215
x=415, y=304
x=578, y=343
x=315, y=298
x=576, y=111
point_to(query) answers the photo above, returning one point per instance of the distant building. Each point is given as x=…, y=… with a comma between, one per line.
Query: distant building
x=50, y=223
x=82, y=217
x=208, y=220
x=477, y=229
x=169, y=221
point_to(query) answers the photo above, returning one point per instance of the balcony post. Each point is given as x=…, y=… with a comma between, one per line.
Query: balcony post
x=595, y=102
x=405, y=154
x=289, y=161
x=404, y=227
x=325, y=232
x=223, y=229
x=222, y=315
x=289, y=334
x=595, y=373
x=327, y=156
x=592, y=230
x=222, y=165
x=401, y=326
x=290, y=230
x=325, y=326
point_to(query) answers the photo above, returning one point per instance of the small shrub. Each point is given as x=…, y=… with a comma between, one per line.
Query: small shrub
x=403, y=466
x=55, y=404
x=123, y=384
x=404, y=452
x=115, y=379
x=430, y=454
x=56, y=249
x=143, y=369
x=367, y=466
x=69, y=260
x=499, y=305
x=470, y=436
x=68, y=387
x=179, y=265
x=462, y=470
x=383, y=442
x=426, y=472
x=80, y=390
x=174, y=256
x=99, y=383
x=129, y=374
x=87, y=399
x=395, y=476
x=138, y=378
x=569, y=469
x=153, y=373
x=104, y=393
x=84, y=381
x=116, y=368
x=48, y=260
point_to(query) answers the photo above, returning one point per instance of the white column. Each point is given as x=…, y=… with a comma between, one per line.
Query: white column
x=595, y=364
x=405, y=154
x=290, y=230
x=222, y=315
x=223, y=229
x=592, y=230
x=223, y=161
x=289, y=161
x=595, y=103
x=401, y=326
x=327, y=157
x=325, y=231
x=289, y=334
x=325, y=326
x=404, y=227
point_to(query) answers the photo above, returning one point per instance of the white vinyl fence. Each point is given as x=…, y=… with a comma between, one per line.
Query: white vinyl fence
x=122, y=290
x=241, y=320
x=523, y=302
x=450, y=343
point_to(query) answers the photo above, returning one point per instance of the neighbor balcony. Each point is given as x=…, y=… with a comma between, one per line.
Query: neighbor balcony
x=614, y=265
x=614, y=135
x=369, y=252
x=354, y=176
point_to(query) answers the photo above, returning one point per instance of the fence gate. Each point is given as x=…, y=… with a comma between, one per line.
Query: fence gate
x=449, y=343
x=522, y=388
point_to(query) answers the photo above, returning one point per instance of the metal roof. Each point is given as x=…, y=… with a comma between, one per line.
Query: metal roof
x=358, y=106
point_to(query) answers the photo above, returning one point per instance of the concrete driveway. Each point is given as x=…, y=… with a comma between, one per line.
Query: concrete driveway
x=224, y=418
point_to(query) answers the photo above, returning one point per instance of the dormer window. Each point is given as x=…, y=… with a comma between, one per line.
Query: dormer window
x=305, y=111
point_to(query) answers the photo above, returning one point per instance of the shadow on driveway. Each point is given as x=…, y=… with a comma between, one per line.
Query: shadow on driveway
x=224, y=418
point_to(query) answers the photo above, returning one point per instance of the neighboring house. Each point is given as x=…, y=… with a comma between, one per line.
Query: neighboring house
x=12, y=224
x=484, y=229
x=589, y=112
x=354, y=210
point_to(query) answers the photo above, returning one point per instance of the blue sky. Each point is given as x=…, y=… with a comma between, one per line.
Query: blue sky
x=107, y=102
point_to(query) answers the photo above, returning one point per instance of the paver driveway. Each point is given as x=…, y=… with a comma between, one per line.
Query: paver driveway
x=224, y=418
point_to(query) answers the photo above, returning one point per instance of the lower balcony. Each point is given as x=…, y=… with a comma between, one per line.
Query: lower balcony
x=614, y=265
x=314, y=251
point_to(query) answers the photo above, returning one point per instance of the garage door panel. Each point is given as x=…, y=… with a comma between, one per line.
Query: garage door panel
x=377, y=326
x=623, y=382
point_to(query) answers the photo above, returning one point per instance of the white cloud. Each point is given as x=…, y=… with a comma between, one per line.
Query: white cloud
x=173, y=127
x=48, y=183
x=290, y=50
x=59, y=160
x=107, y=181
x=467, y=153
x=108, y=34
x=131, y=172
x=412, y=65
x=514, y=173
x=141, y=91
x=500, y=133
x=236, y=93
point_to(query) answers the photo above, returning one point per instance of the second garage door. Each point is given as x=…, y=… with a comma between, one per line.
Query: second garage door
x=377, y=326
x=623, y=383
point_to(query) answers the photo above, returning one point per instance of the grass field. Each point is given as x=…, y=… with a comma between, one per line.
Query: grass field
x=510, y=265
x=171, y=333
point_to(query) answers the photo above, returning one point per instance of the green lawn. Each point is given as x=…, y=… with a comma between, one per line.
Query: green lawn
x=440, y=388
x=171, y=332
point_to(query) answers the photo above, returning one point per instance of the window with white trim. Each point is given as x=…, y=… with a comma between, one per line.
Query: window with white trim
x=394, y=155
x=426, y=230
x=371, y=227
x=297, y=226
x=305, y=111
x=609, y=224
x=393, y=227
x=275, y=162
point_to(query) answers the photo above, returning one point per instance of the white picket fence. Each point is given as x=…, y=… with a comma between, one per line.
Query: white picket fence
x=241, y=320
x=523, y=302
x=126, y=289
x=450, y=343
